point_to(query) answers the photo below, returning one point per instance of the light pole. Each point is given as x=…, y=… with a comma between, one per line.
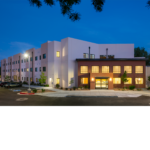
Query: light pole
x=28, y=56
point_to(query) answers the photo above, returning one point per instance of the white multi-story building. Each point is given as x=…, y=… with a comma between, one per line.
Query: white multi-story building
x=58, y=60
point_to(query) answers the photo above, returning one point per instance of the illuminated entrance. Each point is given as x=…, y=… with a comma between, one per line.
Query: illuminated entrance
x=101, y=83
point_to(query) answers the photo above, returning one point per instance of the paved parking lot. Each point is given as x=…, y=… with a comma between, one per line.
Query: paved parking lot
x=10, y=98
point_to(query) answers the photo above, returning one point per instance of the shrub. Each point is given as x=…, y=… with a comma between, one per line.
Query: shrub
x=66, y=88
x=70, y=89
x=24, y=82
x=57, y=85
x=86, y=87
x=43, y=90
x=74, y=88
x=138, y=89
x=61, y=88
x=80, y=87
x=148, y=88
x=46, y=85
x=34, y=90
x=32, y=83
x=132, y=87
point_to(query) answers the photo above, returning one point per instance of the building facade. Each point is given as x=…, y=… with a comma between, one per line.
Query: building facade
x=61, y=63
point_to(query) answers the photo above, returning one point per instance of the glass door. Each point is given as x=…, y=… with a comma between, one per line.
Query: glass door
x=101, y=83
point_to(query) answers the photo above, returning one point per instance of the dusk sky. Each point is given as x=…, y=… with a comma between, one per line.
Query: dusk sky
x=23, y=26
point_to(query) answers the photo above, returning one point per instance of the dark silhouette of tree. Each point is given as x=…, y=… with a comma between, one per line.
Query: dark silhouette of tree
x=148, y=4
x=66, y=6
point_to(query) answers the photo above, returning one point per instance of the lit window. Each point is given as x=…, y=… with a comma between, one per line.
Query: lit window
x=84, y=69
x=84, y=80
x=128, y=69
x=57, y=81
x=138, y=80
x=105, y=69
x=36, y=79
x=27, y=69
x=116, y=69
x=30, y=79
x=116, y=80
x=138, y=69
x=95, y=69
x=57, y=54
x=129, y=81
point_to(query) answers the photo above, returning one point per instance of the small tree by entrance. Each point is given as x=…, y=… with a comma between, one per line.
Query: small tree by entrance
x=42, y=78
x=124, y=78
x=71, y=81
x=7, y=78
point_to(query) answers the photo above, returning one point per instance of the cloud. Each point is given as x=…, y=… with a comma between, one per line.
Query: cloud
x=21, y=45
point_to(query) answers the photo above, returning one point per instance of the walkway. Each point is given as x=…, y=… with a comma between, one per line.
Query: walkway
x=90, y=93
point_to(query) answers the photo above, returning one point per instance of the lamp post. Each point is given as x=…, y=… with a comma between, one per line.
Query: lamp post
x=28, y=56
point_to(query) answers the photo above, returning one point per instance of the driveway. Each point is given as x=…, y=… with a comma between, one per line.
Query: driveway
x=91, y=93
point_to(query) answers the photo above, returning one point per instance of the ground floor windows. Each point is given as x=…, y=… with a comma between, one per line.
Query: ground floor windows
x=84, y=69
x=129, y=81
x=105, y=69
x=15, y=78
x=30, y=79
x=84, y=80
x=101, y=83
x=95, y=69
x=57, y=81
x=116, y=80
x=138, y=80
x=36, y=79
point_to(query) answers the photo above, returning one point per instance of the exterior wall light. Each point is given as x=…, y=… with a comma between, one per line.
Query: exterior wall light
x=92, y=79
x=110, y=79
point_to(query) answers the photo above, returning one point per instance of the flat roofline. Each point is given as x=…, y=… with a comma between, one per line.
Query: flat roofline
x=116, y=59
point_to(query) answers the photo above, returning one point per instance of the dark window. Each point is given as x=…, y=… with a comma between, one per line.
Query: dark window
x=22, y=61
x=40, y=57
x=30, y=69
x=35, y=69
x=36, y=58
x=44, y=56
x=18, y=70
x=22, y=70
x=30, y=58
x=40, y=69
x=10, y=63
x=44, y=69
x=18, y=61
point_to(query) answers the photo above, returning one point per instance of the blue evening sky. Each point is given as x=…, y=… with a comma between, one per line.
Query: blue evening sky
x=23, y=26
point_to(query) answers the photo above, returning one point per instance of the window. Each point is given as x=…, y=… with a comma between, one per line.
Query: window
x=57, y=81
x=84, y=69
x=10, y=63
x=105, y=69
x=22, y=61
x=35, y=69
x=44, y=56
x=31, y=59
x=31, y=70
x=84, y=80
x=128, y=69
x=92, y=56
x=57, y=54
x=95, y=69
x=18, y=70
x=85, y=55
x=22, y=70
x=44, y=69
x=36, y=79
x=40, y=69
x=16, y=62
x=116, y=69
x=129, y=81
x=40, y=57
x=27, y=69
x=36, y=58
x=138, y=69
x=138, y=80
x=116, y=80
x=18, y=78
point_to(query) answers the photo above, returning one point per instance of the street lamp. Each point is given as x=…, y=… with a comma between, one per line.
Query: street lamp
x=28, y=56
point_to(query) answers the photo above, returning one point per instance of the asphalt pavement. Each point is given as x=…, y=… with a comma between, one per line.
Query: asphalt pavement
x=10, y=98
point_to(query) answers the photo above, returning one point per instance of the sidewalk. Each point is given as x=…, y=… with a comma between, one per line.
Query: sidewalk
x=90, y=93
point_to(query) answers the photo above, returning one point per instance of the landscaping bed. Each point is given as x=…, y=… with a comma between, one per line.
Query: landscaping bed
x=126, y=89
x=38, y=91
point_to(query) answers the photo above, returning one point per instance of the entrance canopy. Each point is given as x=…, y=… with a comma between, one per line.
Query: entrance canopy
x=102, y=77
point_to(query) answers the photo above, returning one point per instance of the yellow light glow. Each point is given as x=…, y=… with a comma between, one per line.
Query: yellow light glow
x=25, y=55
x=110, y=79
x=92, y=79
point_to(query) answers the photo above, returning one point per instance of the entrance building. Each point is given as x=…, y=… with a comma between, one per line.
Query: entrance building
x=106, y=73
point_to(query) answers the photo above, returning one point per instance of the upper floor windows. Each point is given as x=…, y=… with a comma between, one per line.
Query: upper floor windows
x=105, y=69
x=57, y=54
x=84, y=69
x=31, y=69
x=31, y=58
x=116, y=69
x=22, y=61
x=85, y=55
x=44, y=56
x=40, y=69
x=40, y=57
x=92, y=56
x=36, y=69
x=44, y=69
x=128, y=69
x=95, y=69
x=138, y=69
x=36, y=58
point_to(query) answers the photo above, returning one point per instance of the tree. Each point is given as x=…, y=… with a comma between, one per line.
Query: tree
x=141, y=52
x=66, y=6
x=148, y=78
x=42, y=78
x=71, y=81
x=7, y=78
x=124, y=78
